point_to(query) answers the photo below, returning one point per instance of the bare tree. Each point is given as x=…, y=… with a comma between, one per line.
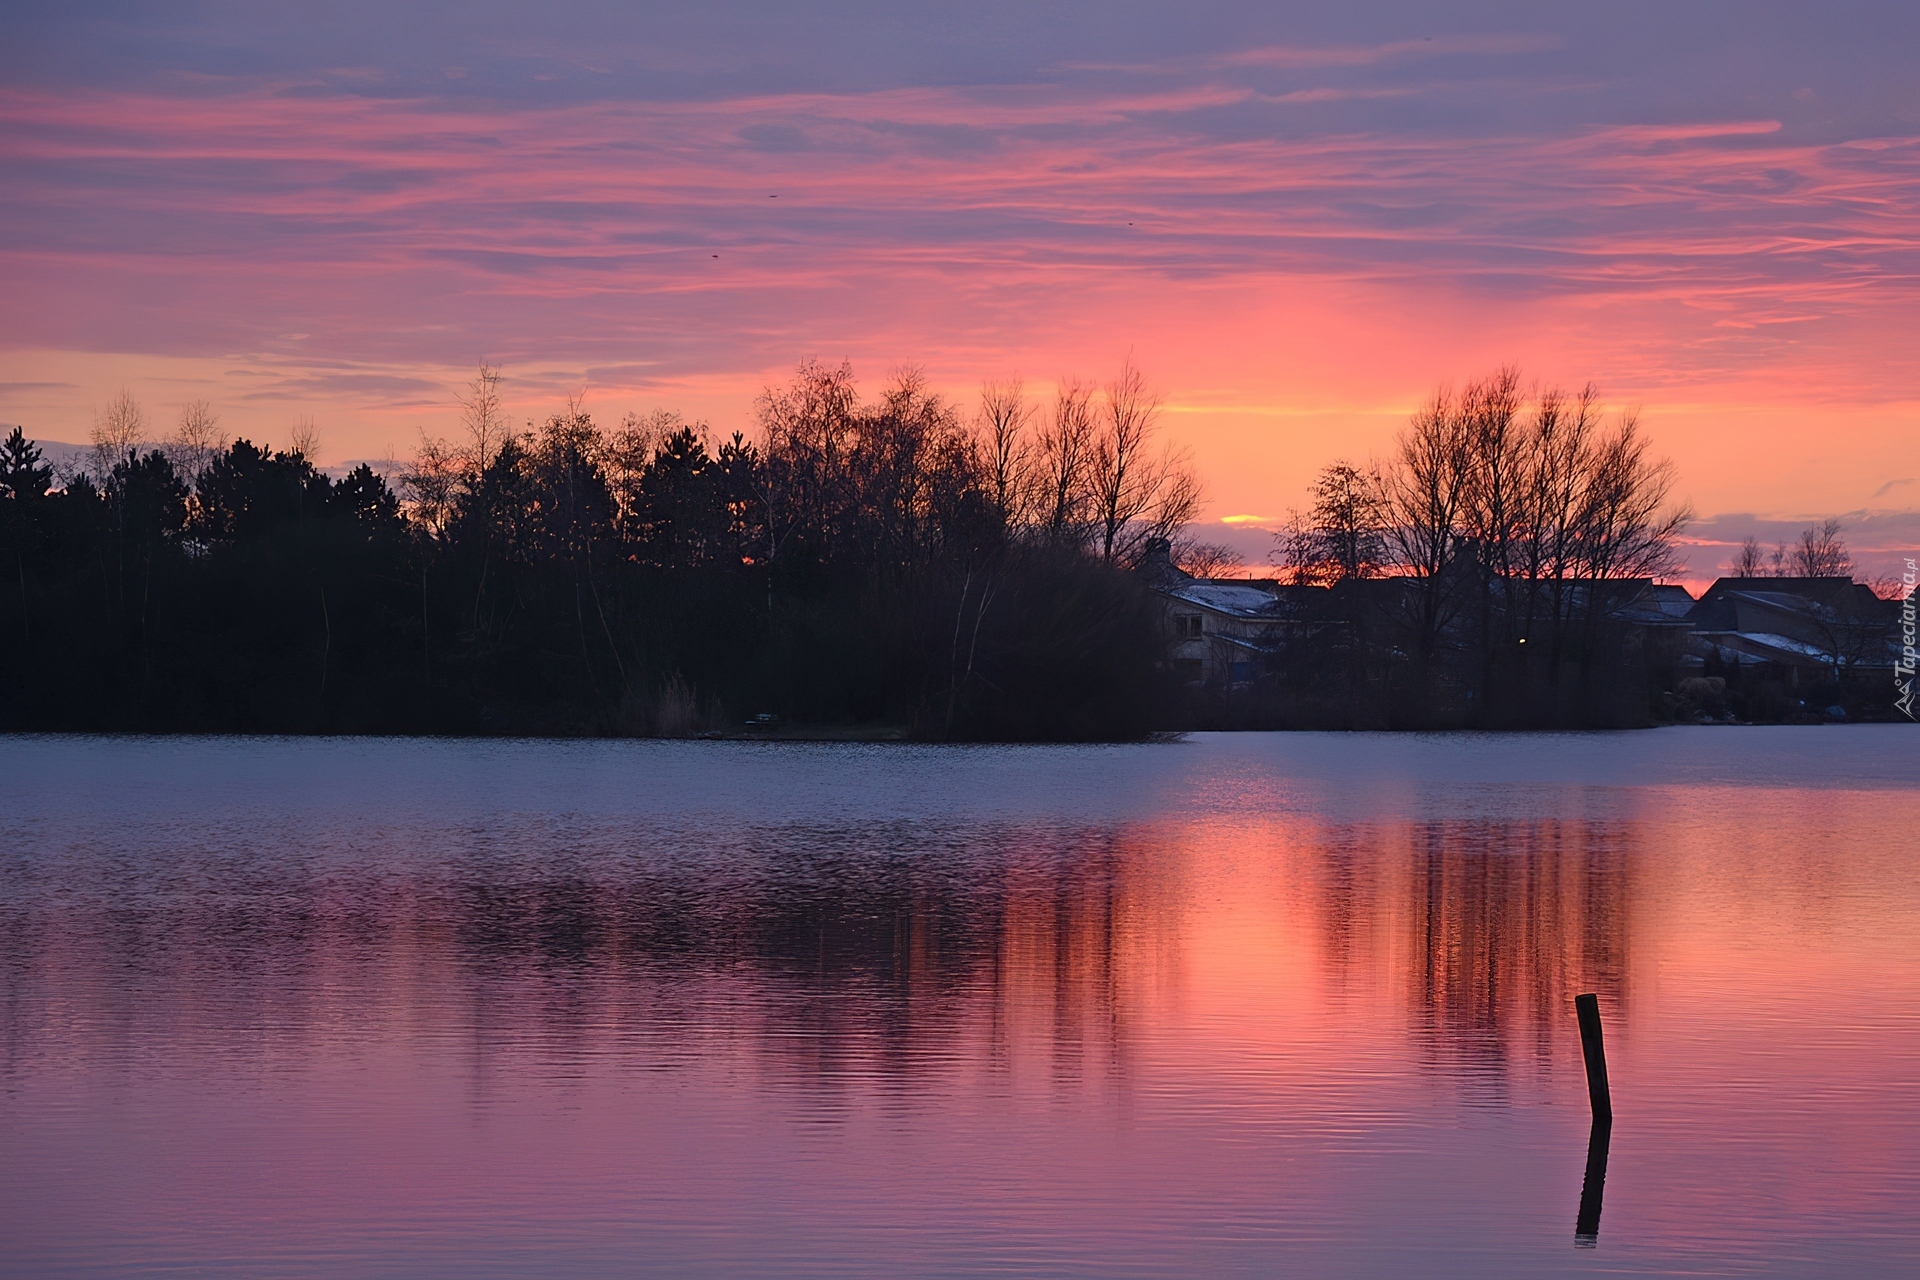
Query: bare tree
x=627, y=450
x=910, y=452
x=1202, y=559
x=1559, y=470
x=898, y=479
x=569, y=435
x=196, y=440
x=118, y=430
x=1175, y=503
x=1296, y=553
x=1555, y=518
x=1345, y=535
x=1066, y=449
x=1425, y=493
x=483, y=414
x=1821, y=553
x=304, y=439
x=1750, y=561
x=431, y=484
x=1004, y=419
x=1495, y=513
x=1888, y=586
x=1628, y=530
x=1855, y=627
x=1130, y=487
x=809, y=428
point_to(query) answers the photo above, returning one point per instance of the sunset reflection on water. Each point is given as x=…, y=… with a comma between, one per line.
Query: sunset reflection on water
x=1247, y=1003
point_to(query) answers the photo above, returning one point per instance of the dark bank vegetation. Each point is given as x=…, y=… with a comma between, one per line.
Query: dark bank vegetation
x=884, y=563
x=885, y=567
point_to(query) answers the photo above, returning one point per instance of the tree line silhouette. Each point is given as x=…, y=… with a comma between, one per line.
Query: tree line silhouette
x=860, y=563
x=892, y=565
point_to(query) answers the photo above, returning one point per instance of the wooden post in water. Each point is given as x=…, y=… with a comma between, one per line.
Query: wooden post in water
x=1587, y=1009
x=1586, y=1230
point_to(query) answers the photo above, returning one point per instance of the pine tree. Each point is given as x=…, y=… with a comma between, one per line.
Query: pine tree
x=22, y=473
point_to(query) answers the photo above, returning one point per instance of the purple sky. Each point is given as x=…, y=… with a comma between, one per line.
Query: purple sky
x=1301, y=219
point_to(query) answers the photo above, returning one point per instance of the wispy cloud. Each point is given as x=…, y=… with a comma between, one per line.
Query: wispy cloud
x=1303, y=57
x=1328, y=216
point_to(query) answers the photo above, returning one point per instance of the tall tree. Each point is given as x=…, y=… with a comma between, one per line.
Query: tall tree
x=1344, y=535
x=1822, y=552
x=25, y=479
x=483, y=414
x=1005, y=416
x=1066, y=459
x=196, y=440
x=1426, y=491
x=117, y=430
x=1137, y=496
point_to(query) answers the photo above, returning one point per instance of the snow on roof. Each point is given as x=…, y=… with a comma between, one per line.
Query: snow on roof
x=1765, y=645
x=1786, y=600
x=1229, y=598
x=1673, y=599
x=1785, y=644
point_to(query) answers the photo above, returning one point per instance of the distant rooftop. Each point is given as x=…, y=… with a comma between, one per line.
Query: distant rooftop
x=1241, y=600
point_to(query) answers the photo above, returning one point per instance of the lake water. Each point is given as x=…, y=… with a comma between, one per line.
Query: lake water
x=1247, y=1004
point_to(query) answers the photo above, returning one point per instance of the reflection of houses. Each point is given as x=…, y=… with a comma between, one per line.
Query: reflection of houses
x=1816, y=626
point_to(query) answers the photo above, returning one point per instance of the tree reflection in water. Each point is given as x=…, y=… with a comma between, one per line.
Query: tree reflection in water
x=1036, y=1012
x=877, y=952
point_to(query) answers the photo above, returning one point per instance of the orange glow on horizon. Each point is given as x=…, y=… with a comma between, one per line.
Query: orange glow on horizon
x=1288, y=314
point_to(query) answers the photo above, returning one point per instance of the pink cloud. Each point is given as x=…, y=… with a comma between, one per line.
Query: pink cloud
x=1702, y=266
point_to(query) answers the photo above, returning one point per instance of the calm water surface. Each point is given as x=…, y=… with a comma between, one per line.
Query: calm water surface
x=1251, y=1004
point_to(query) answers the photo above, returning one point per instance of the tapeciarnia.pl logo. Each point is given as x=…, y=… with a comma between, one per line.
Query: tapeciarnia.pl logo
x=1903, y=669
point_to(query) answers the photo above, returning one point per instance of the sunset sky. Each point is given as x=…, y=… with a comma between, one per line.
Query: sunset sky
x=1299, y=218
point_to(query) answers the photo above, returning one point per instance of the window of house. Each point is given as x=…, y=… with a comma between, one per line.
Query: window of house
x=1189, y=625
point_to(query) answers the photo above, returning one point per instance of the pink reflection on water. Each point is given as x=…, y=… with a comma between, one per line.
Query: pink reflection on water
x=1225, y=1037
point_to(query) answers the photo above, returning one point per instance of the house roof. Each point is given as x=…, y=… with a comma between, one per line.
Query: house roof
x=1826, y=596
x=1235, y=599
x=1718, y=609
x=1813, y=588
x=1673, y=599
x=1768, y=646
x=1656, y=604
x=1778, y=647
x=1785, y=600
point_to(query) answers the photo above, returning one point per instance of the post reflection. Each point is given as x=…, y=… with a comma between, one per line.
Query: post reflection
x=1593, y=1187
